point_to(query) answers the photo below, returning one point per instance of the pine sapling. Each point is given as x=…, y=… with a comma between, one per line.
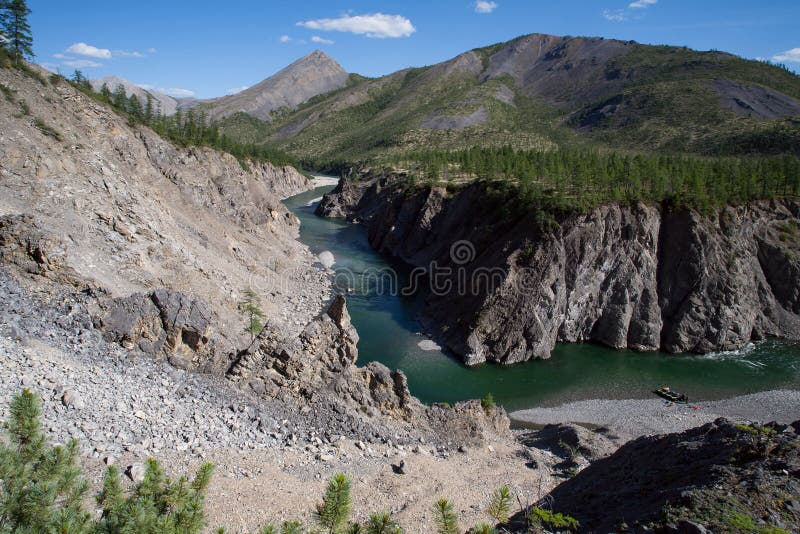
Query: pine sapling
x=483, y=528
x=334, y=510
x=382, y=523
x=42, y=488
x=445, y=517
x=500, y=505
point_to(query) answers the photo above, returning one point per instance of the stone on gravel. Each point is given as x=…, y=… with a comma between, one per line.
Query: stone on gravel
x=71, y=399
x=136, y=472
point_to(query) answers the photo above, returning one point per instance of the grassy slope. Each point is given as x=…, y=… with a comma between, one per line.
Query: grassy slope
x=667, y=104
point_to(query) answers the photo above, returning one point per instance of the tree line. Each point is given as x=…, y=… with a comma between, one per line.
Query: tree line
x=570, y=179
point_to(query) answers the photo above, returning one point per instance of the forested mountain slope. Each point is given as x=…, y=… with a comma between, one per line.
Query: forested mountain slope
x=542, y=91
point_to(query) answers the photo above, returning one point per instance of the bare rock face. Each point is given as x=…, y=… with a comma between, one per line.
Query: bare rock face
x=639, y=277
x=161, y=323
x=24, y=244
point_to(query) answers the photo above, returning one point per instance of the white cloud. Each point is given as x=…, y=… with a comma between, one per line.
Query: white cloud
x=172, y=91
x=790, y=56
x=151, y=50
x=320, y=40
x=235, y=90
x=61, y=56
x=641, y=4
x=284, y=38
x=82, y=63
x=125, y=53
x=618, y=15
x=83, y=49
x=485, y=6
x=376, y=25
x=177, y=91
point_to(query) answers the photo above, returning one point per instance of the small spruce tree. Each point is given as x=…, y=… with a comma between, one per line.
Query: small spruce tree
x=334, y=510
x=254, y=315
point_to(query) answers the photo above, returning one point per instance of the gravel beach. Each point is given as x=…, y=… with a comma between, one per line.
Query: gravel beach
x=632, y=418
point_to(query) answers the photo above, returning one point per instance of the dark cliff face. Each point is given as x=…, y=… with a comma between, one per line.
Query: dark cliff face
x=638, y=277
x=710, y=476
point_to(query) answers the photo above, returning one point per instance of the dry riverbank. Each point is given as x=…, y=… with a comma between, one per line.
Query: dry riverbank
x=632, y=418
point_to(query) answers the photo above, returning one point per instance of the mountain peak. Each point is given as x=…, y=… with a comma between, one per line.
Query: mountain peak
x=311, y=75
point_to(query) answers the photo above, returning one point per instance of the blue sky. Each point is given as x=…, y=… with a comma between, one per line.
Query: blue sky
x=209, y=49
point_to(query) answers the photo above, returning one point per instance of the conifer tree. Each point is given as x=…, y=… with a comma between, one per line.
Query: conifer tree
x=157, y=505
x=500, y=505
x=41, y=487
x=105, y=93
x=119, y=99
x=251, y=307
x=334, y=510
x=17, y=31
x=135, y=107
x=382, y=523
x=445, y=517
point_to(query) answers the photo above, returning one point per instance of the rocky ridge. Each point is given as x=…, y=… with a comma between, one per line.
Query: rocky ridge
x=642, y=277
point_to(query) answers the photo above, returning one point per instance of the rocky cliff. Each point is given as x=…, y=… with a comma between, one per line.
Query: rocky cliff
x=642, y=277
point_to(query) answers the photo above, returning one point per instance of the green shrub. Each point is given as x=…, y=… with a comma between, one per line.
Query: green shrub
x=7, y=92
x=487, y=403
x=547, y=518
x=47, y=129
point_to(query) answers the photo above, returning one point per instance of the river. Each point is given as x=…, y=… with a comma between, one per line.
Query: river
x=390, y=334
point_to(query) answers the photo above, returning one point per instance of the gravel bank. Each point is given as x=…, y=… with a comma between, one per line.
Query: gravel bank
x=320, y=180
x=632, y=418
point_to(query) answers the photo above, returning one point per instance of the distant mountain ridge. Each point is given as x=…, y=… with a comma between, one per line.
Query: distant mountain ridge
x=309, y=76
x=167, y=103
x=542, y=91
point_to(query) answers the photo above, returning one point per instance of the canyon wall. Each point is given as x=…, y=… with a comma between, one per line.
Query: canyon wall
x=637, y=276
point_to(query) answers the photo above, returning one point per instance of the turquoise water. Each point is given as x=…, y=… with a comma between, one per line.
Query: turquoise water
x=389, y=334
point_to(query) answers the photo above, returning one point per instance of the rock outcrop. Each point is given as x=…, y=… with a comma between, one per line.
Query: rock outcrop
x=720, y=477
x=641, y=277
x=320, y=366
x=160, y=323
